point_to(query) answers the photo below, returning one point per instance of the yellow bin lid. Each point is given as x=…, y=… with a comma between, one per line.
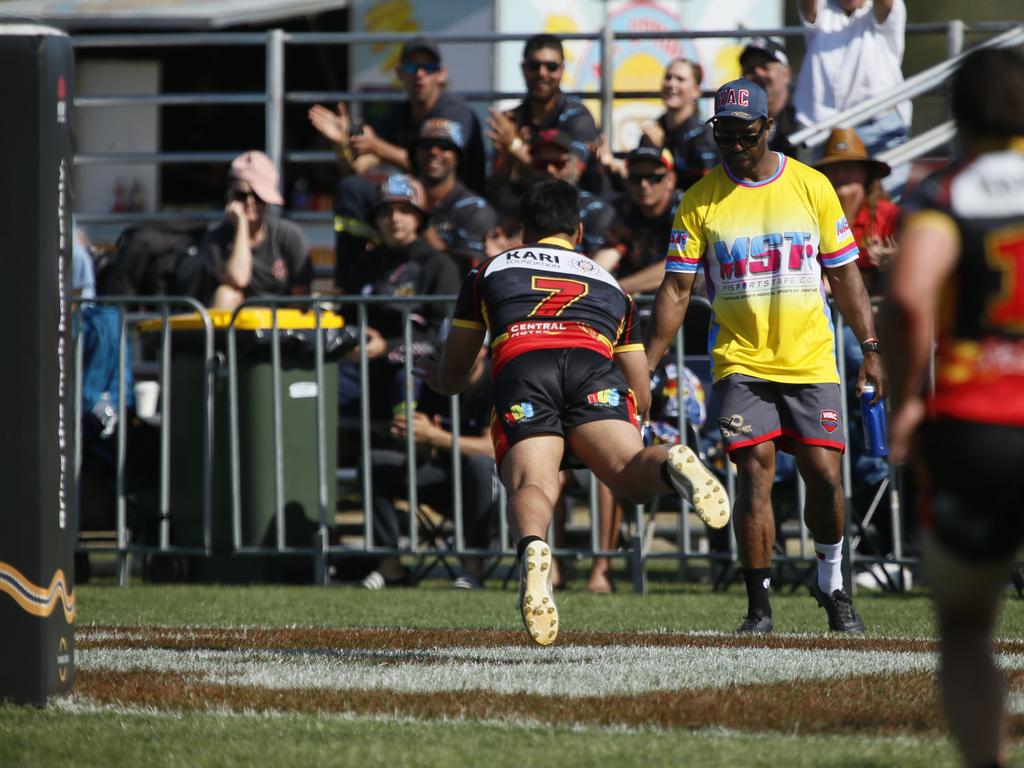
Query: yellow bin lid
x=248, y=319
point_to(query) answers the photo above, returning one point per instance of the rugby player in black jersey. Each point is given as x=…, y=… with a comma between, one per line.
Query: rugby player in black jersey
x=961, y=262
x=570, y=376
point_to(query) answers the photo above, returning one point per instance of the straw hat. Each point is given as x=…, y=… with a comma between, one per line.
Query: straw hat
x=845, y=146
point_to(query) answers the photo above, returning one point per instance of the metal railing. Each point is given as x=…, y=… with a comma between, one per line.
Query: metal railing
x=275, y=97
x=220, y=361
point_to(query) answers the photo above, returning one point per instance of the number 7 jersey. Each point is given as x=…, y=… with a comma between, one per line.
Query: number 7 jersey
x=546, y=296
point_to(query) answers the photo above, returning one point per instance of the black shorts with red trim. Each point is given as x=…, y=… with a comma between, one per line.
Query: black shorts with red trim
x=756, y=410
x=546, y=391
x=972, y=497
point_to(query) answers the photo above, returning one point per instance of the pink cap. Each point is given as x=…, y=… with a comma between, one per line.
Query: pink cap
x=258, y=171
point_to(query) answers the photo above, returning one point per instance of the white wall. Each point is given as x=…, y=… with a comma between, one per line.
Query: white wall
x=116, y=129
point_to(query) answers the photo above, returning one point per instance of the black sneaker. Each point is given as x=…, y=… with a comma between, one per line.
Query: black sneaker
x=756, y=623
x=842, y=616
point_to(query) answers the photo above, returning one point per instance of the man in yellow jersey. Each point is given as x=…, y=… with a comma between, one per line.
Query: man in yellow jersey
x=762, y=226
x=568, y=367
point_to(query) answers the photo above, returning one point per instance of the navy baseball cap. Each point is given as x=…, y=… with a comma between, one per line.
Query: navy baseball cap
x=742, y=99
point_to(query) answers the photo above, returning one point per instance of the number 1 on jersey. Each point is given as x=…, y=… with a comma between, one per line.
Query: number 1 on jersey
x=562, y=293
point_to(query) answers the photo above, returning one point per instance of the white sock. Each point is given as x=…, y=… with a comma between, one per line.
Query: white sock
x=830, y=561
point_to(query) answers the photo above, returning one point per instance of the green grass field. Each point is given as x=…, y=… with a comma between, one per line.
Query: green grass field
x=82, y=732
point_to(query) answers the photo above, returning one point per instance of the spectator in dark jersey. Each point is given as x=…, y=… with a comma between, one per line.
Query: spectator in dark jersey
x=388, y=138
x=680, y=128
x=641, y=231
x=958, y=271
x=251, y=253
x=555, y=155
x=431, y=425
x=459, y=218
x=544, y=107
x=569, y=376
x=765, y=61
x=402, y=265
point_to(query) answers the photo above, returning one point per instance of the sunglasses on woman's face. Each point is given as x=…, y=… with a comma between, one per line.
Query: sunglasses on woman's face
x=240, y=195
x=532, y=65
x=745, y=140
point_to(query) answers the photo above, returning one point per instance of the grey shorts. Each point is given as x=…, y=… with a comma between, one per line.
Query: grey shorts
x=755, y=410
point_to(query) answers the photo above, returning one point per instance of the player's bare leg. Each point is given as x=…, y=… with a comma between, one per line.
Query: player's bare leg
x=609, y=511
x=973, y=690
x=530, y=473
x=615, y=453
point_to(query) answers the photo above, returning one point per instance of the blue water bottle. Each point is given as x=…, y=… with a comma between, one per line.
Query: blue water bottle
x=875, y=441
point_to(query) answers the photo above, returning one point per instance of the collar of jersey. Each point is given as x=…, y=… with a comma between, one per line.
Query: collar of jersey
x=557, y=241
x=765, y=182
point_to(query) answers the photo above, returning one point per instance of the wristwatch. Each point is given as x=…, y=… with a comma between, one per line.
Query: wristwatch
x=870, y=345
x=515, y=144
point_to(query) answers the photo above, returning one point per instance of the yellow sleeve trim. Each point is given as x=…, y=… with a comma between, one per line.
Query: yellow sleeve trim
x=932, y=219
x=637, y=347
x=457, y=323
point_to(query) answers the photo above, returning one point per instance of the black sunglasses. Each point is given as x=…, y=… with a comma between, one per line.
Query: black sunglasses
x=532, y=65
x=652, y=178
x=409, y=68
x=445, y=146
x=542, y=164
x=240, y=195
x=745, y=140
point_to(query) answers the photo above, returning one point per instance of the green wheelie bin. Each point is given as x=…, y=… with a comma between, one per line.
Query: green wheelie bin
x=258, y=494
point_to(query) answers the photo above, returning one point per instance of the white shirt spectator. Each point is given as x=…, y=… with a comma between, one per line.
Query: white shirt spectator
x=849, y=59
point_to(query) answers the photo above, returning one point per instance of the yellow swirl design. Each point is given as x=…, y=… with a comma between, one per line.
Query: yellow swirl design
x=39, y=601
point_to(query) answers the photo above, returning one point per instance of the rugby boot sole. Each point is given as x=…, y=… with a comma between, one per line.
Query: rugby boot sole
x=696, y=483
x=536, y=600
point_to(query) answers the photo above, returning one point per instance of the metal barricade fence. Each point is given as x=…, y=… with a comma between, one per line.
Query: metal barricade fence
x=690, y=544
x=122, y=544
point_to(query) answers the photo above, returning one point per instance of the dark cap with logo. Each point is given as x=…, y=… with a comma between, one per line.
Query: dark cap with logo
x=419, y=44
x=741, y=99
x=775, y=50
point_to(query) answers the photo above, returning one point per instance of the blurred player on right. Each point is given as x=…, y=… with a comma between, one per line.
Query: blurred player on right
x=961, y=268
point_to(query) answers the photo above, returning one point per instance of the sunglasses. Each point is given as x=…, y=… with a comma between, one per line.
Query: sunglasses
x=532, y=65
x=409, y=68
x=444, y=146
x=745, y=140
x=240, y=195
x=651, y=178
x=542, y=164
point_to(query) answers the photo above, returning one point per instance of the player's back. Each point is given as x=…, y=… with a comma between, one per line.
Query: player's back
x=544, y=296
x=980, y=363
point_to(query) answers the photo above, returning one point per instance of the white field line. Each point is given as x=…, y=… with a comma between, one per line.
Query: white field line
x=559, y=671
x=75, y=704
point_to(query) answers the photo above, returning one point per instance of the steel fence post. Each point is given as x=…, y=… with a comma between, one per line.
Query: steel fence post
x=274, y=114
